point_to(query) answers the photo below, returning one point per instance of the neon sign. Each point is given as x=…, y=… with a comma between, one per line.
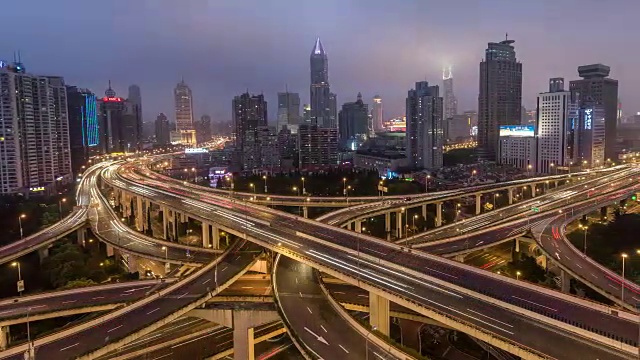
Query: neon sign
x=112, y=99
x=588, y=113
x=2, y=64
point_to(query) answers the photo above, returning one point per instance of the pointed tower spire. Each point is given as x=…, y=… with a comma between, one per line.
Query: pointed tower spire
x=318, y=49
x=359, y=96
x=110, y=92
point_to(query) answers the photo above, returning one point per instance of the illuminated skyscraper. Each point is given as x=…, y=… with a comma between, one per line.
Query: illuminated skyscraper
x=321, y=103
x=184, y=107
x=425, y=134
x=449, y=99
x=83, y=126
x=500, y=97
x=377, y=114
x=249, y=113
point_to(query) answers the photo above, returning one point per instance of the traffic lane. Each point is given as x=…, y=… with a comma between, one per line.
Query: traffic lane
x=248, y=287
x=478, y=282
x=88, y=297
x=345, y=293
x=314, y=319
x=112, y=329
x=184, y=326
x=526, y=331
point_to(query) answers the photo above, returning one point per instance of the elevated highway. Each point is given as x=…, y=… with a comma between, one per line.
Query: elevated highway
x=374, y=265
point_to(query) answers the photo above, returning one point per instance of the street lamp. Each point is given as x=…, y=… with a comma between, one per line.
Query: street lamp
x=60, y=206
x=264, y=177
x=585, y=228
x=518, y=273
x=344, y=186
x=624, y=257
x=474, y=172
x=252, y=187
x=415, y=216
x=494, y=200
x=165, y=252
x=426, y=184
x=529, y=170
x=295, y=188
x=552, y=165
x=22, y=216
x=304, y=191
x=20, y=288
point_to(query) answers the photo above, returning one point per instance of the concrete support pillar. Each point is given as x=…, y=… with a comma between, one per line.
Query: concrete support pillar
x=510, y=195
x=350, y=226
x=516, y=245
x=43, y=253
x=379, y=313
x=387, y=224
x=205, y=234
x=109, y=250
x=215, y=232
x=165, y=222
x=305, y=212
x=478, y=203
x=4, y=337
x=358, y=226
x=459, y=258
x=399, y=224
x=183, y=217
x=438, y=214
x=81, y=235
x=139, y=214
x=533, y=190
x=424, y=211
x=132, y=263
x=565, y=281
x=243, y=341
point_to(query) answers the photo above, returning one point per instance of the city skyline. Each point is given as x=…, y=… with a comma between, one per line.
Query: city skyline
x=386, y=65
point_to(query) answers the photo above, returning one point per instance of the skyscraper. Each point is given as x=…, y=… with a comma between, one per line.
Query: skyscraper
x=34, y=128
x=83, y=126
x=288, y=110
x=500, y=97
x=111, y=120
x=377, y=114
x=134, y=100
x=318, y=147
x=590, y=135
x=203, y=131
x=557, y=112
x=249, y=113
x=321, y=113
x=450, y=101
x=425, y=135
x=596, y=88
x=184, y=113
x=162, y=130
x=353, y=124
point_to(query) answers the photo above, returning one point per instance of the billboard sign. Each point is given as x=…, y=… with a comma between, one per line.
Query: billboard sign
x=517, y=130
x=195, y=151
x=588, y=118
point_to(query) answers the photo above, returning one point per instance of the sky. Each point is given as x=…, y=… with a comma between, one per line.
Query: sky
x=225, y=47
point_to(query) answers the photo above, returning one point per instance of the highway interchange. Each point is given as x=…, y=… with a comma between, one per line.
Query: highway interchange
x=426, y=292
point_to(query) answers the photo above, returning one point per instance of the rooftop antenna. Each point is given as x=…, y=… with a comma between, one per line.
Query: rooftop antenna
x=506, y=36
x=286, y=88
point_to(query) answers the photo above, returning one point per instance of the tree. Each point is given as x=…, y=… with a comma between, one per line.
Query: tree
x=74, y=284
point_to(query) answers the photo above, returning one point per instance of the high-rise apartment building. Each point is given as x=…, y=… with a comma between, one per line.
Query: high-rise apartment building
x=203, y=130
x=556, y=112
x=353, y=124
x=288, y=110
x=377, y=114
x=425, y=134
x=249, y=113
x=34, y=132
x=318, y=147
x=320, y=94
x=596, y=88
x=449, y=99
x=500, y=97
x=163, y=130
x=84, y=133
x=184, y=113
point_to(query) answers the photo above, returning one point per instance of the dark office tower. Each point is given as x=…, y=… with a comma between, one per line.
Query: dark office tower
x=249, y=113
x=162, y=130
x=135, y=101
x=425, y=134
x=203, y=131
x=353, y=121
x=450, y=101
x=596, y=88
x=500, y=98
x=111, y=120
x=83, y=126
x=288, y=110
x=320, y=93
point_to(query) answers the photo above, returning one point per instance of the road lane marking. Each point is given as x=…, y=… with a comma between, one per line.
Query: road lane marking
x=489, y=317
x=310, y=312
x=299, y=292
x=338, y=292
x=325, y=330
x=594, y=275
x=69, y=347
x=247, y=287
x=296, y=280
x=206, y=281
x=578, y=265
x=534, y=303
x=181, y=296
x=115, y=328
x=440, y=272
x=375, y=251
x=69, y=301
x=612, y=286
x=152, y=311
x=223, y=269
x=342, y=347
x=97, y=297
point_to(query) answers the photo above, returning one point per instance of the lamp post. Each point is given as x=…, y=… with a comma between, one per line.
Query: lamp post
x=494, y=200
x=22, y=216
x=426, y=184
x=20, y=283
x=165, y=252
x=415, y=216
x=264, y=177
x=529, y=170
x=60, y=207
x=552, y=165
x=585, y=228
x=518, y=273
x=304, y=190
x=253, y=187
x=624, y=257
x=344, y=186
